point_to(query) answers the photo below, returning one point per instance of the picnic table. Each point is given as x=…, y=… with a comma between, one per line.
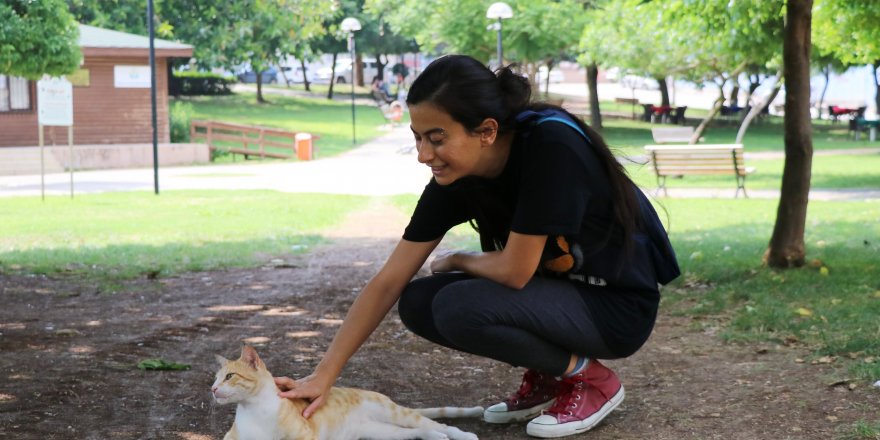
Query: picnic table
x=654, y=113
x=836, y=112
x=862, y=124
x=663, y=114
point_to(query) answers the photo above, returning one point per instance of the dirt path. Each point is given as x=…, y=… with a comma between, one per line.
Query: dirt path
x=69, y=350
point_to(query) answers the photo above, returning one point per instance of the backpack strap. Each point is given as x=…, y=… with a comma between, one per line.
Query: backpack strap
x=551, y=114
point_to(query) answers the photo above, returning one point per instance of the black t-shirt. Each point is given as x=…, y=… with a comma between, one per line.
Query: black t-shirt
x=553, y=184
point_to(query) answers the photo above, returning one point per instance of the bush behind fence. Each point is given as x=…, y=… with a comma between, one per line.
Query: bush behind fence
x=199, y=83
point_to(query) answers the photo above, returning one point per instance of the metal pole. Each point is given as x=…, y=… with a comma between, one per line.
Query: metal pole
x=353, y=73
x=500, y=50
x=42, y=165
x=151, y=26
x=70, y=148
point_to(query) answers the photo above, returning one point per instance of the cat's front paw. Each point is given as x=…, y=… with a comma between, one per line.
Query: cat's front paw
x=434, y=435
x=457, y=434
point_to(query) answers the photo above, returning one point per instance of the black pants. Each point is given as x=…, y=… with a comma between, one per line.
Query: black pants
x=538, y=327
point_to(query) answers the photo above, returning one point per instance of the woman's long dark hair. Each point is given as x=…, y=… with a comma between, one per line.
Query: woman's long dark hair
x=469, y=92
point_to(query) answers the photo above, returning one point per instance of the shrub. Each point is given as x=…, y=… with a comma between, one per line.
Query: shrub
x=200, y=83
x=179, y=116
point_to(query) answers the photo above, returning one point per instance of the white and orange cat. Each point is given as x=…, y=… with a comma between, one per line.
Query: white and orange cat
x=347, y=414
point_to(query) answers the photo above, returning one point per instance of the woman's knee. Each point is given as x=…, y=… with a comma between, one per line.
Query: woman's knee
x=414, y=304
x=460, y=311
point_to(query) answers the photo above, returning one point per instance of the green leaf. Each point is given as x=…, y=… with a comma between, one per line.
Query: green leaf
x=161, y=364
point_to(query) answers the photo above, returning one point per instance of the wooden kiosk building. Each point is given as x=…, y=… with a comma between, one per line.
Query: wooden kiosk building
x=111, y=109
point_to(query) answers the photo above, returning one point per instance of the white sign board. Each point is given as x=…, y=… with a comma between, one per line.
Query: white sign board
x=54, y=102
x=131, y=77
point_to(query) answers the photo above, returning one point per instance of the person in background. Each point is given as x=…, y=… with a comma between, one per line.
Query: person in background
x=380, y=90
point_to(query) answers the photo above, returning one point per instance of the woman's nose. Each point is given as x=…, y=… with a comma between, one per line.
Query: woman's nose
x=426, y=153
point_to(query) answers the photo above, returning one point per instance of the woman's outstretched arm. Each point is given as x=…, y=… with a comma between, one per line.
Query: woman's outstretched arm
x=368, y=310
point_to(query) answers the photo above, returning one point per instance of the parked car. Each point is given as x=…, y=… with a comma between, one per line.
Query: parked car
x=343, y=72
x=296, y=75
x=269, y=76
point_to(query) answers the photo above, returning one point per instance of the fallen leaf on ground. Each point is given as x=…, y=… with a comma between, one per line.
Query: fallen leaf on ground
x=161, y=364
x=804, y=311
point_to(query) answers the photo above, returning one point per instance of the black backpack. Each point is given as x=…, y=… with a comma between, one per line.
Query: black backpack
x=652, y=259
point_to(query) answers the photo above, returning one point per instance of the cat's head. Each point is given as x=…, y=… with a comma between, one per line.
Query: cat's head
x=240, y=379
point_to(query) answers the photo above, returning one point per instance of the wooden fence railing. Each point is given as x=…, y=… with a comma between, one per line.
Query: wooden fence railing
x=247, y=140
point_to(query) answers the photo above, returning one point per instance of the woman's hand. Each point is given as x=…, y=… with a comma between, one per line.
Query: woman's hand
x=444, y=263
x=312, y=388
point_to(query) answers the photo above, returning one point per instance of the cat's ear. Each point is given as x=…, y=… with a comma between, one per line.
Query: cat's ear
x=250, y=357
x=221, y=360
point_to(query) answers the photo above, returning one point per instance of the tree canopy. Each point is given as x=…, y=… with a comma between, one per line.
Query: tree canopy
x=36, y=38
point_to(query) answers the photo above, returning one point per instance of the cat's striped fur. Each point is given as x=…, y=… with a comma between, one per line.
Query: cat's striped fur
x=347, y=414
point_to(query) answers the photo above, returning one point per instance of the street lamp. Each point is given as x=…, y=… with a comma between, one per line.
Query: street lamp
x=351, y=25
x=499, y=11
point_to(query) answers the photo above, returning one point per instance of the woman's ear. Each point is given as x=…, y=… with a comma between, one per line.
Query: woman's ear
x=488, y=130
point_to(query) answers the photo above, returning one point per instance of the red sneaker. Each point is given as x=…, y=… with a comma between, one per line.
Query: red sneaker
x=583, y=401
x=535, y=394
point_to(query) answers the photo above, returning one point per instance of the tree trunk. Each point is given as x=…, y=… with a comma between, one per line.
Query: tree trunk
x=547, y=80
x=664, y=91
x=757, y=109
x=877, y=85
x=754, y=83
x=719, y=102
x=734, y=94
x=260, y=86
x=826, y=72
x=359, y=69
x=593, y=86
x=380, y=66
x=302, y=64
x=786, y=248
x=698, y=132
x=332, y=77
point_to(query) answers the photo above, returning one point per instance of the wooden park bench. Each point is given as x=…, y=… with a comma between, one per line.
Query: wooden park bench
x=678, y=135
x=246, y=140
x=681, y=160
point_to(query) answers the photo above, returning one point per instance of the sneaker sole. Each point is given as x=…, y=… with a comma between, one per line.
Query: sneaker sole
x=515, y=416
x=570, y=428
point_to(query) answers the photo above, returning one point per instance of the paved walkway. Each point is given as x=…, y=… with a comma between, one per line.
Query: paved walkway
x=385, y=166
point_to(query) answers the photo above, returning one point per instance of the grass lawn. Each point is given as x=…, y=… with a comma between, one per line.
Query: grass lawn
x=830, y=306
x=331, y=120
x=124, y=235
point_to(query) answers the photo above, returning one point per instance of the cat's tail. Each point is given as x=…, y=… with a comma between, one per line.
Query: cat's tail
x=450, y=412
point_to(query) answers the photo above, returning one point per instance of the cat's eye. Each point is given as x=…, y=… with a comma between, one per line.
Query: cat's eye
x=229, y=376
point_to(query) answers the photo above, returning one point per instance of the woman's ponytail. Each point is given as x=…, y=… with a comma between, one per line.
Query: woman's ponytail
x=516, y=92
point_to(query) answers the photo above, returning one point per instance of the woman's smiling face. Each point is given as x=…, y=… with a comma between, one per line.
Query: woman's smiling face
x=444, y=144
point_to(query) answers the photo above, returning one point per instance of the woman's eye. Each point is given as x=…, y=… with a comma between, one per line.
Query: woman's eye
x=436, y=141
x=229, y=376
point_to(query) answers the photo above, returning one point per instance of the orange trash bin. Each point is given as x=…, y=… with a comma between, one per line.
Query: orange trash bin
x=303, y=146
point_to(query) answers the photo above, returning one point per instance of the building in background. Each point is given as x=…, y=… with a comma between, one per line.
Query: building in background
x=111, y=100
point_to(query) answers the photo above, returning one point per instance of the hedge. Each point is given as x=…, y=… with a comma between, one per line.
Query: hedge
x=199, y=83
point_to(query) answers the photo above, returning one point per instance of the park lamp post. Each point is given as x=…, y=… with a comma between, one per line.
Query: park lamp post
x=499, y=11
x=351, y=25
